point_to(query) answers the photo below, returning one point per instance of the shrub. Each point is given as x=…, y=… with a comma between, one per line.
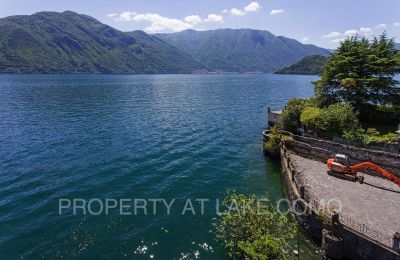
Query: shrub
x=253, y=232
x=265, y=247
x=356, y=136
x=339, y=118
x=360, y=136
x=310, y=118
x=334, y=120
x=274, y=139
x=386, y=138
x=290, y=118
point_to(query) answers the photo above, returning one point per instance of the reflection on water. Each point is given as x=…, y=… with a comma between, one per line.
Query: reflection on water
x=156, y=136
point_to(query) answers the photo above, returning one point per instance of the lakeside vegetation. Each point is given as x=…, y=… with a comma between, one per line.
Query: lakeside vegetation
x=357, y=88
x=253, y=229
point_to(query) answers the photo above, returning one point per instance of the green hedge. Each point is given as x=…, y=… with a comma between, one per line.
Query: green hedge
x=334, y=120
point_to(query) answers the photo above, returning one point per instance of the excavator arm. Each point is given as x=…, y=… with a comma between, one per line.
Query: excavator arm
x=376, y=168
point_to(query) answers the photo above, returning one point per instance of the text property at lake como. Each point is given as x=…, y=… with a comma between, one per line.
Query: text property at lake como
x=147, y=136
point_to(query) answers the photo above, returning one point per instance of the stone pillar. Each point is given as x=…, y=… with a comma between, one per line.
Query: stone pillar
x=335, y=224
x=396, y=241
x=331, y=245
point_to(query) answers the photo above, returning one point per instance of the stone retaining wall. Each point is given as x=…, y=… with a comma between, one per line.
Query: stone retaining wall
x=321, y=150
x=337, y=240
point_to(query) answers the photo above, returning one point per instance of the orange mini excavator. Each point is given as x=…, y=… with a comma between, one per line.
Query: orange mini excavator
x=340, y=167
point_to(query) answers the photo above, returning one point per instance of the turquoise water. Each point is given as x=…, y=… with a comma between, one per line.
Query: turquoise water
x=127, y=137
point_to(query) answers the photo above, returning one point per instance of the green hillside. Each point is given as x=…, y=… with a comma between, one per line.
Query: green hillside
x=50, y=42
x=241, y=50
x=311, y=65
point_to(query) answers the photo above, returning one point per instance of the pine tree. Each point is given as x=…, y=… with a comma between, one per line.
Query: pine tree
x=361, y=72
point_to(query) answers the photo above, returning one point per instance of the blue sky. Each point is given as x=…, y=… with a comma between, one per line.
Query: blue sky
x=320, y=22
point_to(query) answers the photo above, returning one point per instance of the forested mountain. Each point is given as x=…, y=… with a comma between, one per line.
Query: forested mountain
x=67, y=42
x=241, y=50
x=50, y=42
x=311, y=65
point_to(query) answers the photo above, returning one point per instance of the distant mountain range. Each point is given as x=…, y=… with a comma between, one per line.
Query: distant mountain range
x=311, y=65
x=51, y=42
x=241, y=50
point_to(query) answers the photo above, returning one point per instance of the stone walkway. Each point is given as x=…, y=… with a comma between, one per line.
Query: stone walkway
x=376, y=203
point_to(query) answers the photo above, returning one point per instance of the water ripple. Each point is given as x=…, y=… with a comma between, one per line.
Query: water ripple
x=94, y=136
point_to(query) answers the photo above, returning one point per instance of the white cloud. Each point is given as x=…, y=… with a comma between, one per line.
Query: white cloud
x=382, y=25
x=332, y=35
x=396, y=24
x=338, y=40
x=112, y=15
x=158, y=23
x=126, y=16
x=252, y=7
x=235, y=11
x=214, y=18
x=362, y=31
x=305, y=39
x=278, y=11
x=193, y=19
x=365, y=30
x=350, y=32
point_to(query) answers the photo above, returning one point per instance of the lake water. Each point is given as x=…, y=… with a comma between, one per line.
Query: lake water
x=147, y=136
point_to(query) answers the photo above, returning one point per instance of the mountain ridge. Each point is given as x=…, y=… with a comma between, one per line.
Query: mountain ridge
x=68, y=42
x=241, y=50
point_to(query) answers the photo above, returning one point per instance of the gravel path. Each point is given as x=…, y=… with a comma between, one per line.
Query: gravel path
x=376, y=203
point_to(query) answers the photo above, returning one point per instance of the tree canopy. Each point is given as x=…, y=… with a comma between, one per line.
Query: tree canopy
x=253, y=230
x=361, y=72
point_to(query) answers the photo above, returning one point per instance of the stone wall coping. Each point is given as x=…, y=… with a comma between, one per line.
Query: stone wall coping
x=361, y=149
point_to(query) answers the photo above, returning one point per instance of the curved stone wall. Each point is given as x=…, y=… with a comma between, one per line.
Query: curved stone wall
x=337, y=239
x=321, y=150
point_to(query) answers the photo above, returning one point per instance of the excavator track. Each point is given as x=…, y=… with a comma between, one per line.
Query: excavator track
x=344, y=176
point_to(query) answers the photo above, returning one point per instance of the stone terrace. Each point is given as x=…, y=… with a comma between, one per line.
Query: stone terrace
x=376, y=203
